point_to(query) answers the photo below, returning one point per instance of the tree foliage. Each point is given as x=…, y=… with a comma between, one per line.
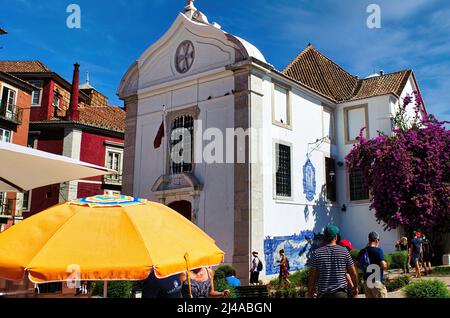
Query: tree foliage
x=408, y=172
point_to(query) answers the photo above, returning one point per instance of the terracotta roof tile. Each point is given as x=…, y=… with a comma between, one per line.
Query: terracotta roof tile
x=105, y=117
x=382, y=85
x=23, y=67
x=108, y=117
x=316, y=71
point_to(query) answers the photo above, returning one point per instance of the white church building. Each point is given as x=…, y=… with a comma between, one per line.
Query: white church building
x=288, y=180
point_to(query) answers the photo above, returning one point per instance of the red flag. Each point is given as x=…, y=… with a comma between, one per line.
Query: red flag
x=161, y=134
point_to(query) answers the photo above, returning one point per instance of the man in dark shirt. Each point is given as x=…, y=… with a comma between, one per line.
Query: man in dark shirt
x=169, y=287
x=373, y=278
x=427, y=254
x=329, y=266
x=415, y=252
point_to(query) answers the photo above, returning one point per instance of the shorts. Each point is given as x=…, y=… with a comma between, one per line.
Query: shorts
x=254, y=277
x=426, y=258
x=377, y=291
x=415, y=259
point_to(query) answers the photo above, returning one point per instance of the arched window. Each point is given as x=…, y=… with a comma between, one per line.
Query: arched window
x=181, y=144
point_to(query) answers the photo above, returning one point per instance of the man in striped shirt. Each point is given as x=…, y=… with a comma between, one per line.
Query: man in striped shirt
x=329, y=265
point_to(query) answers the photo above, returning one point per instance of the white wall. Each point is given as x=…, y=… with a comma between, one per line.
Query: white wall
x=358, y=221
x=289, y=217
x=216, y=208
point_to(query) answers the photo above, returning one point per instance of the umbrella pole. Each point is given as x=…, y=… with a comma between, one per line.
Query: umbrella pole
x=186, y=257
x=105, y=289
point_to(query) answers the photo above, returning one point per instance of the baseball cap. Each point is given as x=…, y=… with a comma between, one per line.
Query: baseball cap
x=347, y=244
x=331, y=231
x=374, y=236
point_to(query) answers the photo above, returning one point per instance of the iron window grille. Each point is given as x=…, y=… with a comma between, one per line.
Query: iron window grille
x=283, y=174
x=358, y=188
x=182, y=131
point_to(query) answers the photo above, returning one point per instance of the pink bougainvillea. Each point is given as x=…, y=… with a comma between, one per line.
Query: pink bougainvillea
x=408, y=173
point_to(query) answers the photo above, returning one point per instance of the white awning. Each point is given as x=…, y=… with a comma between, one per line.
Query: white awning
x=23, y=169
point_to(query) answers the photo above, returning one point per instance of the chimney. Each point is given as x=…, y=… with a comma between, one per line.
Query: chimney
x=74, y=114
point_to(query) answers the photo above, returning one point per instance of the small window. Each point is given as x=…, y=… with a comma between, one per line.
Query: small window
x=3, y=204
x=358, y=188
x=56, y=101
x=355, y=118
x=181, y=144
x=114, y=162
x=26, y=201
x=5, y=135
x=283, y=171
x=330, y=170
x=281, y=111
x=36, y=96
x=329, y=124
x=8, y=103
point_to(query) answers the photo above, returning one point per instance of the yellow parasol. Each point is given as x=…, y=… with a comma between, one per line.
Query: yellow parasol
x=106, y=238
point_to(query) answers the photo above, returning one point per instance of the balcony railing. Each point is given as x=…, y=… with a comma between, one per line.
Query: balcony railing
x=7, y=208
x=11, y=113
x=113, y=179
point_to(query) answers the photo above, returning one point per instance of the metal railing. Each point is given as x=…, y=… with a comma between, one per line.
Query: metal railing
x=11, y=113
x=113, y=179
x=7, y=207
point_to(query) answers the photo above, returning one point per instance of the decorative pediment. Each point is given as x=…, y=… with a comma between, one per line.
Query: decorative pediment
x=190, y=46
x=185, y=183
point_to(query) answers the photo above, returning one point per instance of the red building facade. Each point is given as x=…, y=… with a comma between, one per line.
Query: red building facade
x=15, y=101
x=73, y=121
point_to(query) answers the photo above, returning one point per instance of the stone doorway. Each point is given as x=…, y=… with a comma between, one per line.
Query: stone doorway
x=182, y=207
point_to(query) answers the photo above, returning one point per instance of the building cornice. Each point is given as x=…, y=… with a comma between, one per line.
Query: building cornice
x=76, y=125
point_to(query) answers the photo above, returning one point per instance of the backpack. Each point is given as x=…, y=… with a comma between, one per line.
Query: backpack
x=364, y=261
x=288, y=266
x=260, y=266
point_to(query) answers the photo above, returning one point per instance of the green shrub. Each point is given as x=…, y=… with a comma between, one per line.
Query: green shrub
x=388, y=259
x=222, y=271
x=427, y=289
x=441, y=270
x=397, y=283
x=399, y=259
x=117, y=289
x=354, y=253
x=299, y=278
x=221, y=285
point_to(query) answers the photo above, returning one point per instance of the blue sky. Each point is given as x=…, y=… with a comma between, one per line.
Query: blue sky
x=415, y=34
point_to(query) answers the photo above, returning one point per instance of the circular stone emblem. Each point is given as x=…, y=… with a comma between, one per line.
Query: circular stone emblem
x=184, y=57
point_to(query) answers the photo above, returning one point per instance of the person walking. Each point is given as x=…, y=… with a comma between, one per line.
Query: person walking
x=328, y=266
x=257, y=267
x=202, y=284
x=284, y=269
x=348, y=245
x=427, y=255
x=232, y=280
x=373, y=255
x=169, y=287
x=402, y=244
x=415, y=252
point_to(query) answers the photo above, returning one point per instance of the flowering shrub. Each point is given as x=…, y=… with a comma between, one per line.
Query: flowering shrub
x=408, y=173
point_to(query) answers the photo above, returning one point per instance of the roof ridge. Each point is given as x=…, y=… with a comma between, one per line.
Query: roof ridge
x=304, y=51
x=387, y=74
x=336, y=64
